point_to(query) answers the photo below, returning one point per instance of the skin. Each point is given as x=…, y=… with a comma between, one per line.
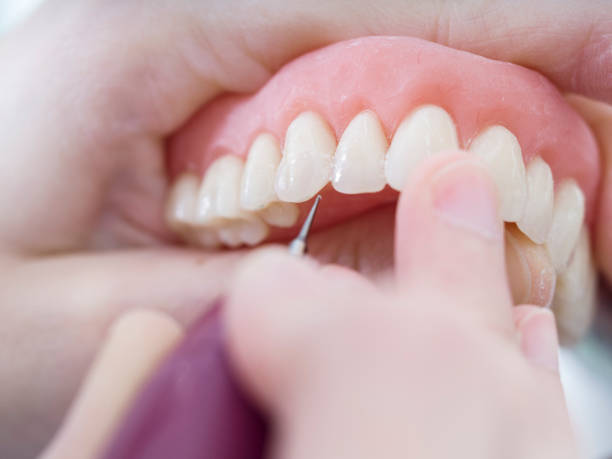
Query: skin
x=411, y=371
x=92, y=92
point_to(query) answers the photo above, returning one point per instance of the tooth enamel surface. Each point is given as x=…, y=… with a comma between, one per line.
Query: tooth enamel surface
x=281, y=214
x=219, y=195
x=306, y=163
x=568, y=215
x=250, y=231
x=576, y=293
x=257, y=186
x=427, y=130
x=360, y=157
x=502, y=155
x=180, y=211
x=537, y=217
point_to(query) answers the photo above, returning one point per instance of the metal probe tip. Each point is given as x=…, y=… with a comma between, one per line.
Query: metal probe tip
x=298, y=245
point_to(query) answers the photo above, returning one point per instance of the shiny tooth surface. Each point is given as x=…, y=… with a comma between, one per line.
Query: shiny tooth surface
x=427, y=130
x=229, y=235
x=219, y=194
x=281, y=214
x=531, y=274
x=250, y=231
x=257, y=185
x=180, y=210
x=306, y=163
x=502, y=155
x=576, y=294
x=568, y=216
x=360, y=157
x=537, y=217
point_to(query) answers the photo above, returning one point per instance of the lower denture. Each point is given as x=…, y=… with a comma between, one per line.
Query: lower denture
x=328, y=123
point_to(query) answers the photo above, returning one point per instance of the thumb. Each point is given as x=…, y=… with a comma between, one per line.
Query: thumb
x=449, y=236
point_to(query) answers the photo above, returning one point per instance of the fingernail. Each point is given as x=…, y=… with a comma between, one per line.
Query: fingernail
x=539, y=340
x=464, y=197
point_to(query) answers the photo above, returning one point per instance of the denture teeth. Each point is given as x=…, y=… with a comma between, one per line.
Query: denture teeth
x=568, y=215
x=281, y=214
x=219, y=195
x=427, y=130
x=360, y=156
x=537, y=218
x=502, y=155
x=306, y=163
x=180, y=211
x=530, y=271
x=257, y=186
x=576, y=294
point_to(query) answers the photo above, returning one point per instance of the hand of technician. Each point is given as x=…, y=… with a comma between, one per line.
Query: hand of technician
x=89, y=93
x=441, y=366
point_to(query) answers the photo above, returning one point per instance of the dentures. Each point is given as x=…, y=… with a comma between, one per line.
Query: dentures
x=242, y=167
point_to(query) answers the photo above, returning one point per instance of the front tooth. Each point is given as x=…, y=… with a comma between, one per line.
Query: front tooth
x=307, y=158
x=360, y=156
x=281, y=214
x=219, y=195
x=502, y=155
x=250, y=230
x=568, y=215
x=576, y=293
x=257, y=187
x=427, y=130
x=537, y=217
x=180, y=211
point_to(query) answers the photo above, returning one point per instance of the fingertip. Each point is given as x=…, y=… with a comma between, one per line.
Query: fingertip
x=537, y=334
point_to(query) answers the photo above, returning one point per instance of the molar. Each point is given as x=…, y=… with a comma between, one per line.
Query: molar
x=219, y=195
x=537, y=218
x=360, y=156
x=180, y=211
x=576, y=293
x=281, y=214
x=568, y=215
x=427, y=130
x=306, y=163
x=257, y=185
x=502, y=155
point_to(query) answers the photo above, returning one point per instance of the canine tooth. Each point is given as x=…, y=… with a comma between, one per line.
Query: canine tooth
x=568, y=215
x=531, y=274
x=427, y=130
x=307, y=158
x=180, y=211
x=281, y=214
x=501, y=153
x=257, y=186
x=359, y=163
x=219, y=195
x=537, y=218
x=576, y=293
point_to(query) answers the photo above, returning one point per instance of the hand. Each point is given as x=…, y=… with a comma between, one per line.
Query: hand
x=441, y=366
x=92, y=92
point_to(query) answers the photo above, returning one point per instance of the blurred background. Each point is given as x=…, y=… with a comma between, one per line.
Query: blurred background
x=586, y=369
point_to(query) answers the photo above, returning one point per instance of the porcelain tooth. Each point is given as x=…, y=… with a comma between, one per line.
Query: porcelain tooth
x=426, y=131
x=257, y=185
x=359, y=162
x=306, y=163
x=502, y=155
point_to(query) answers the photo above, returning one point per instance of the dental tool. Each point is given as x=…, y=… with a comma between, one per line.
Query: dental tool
x=193, y=407
x=298, y=246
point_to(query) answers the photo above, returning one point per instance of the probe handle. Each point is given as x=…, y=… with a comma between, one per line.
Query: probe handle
x=192, y=407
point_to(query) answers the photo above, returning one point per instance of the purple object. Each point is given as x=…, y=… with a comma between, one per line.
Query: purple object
x=192, y=408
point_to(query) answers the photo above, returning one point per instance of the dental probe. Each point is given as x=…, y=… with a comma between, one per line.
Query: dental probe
x=192, y=407
x=298, y=245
